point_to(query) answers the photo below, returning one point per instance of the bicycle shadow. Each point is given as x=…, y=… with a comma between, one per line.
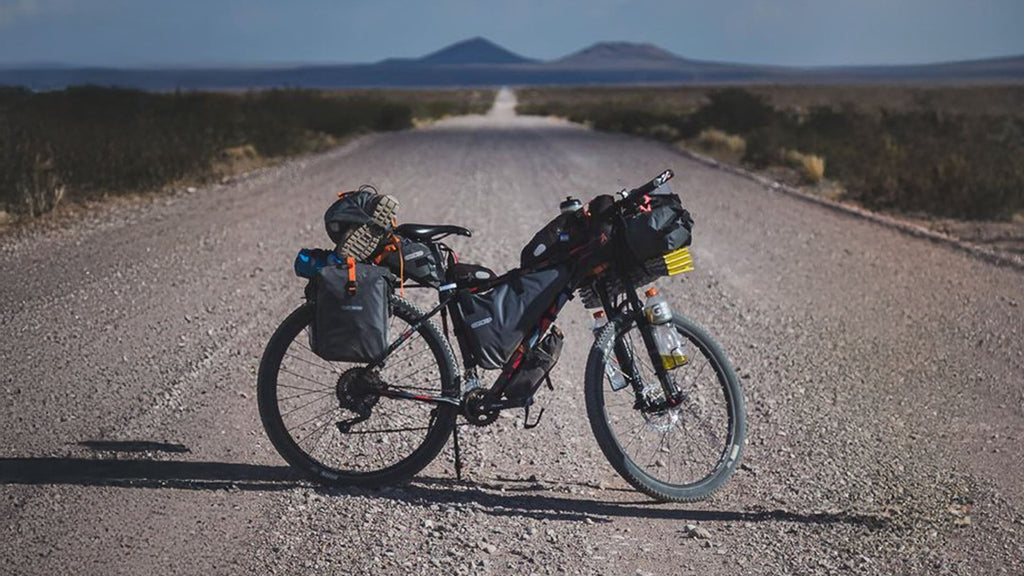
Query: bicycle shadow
x=495, y=500
x=501, y=496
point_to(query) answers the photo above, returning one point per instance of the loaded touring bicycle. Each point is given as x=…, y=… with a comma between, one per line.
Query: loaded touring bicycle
x=360, y=387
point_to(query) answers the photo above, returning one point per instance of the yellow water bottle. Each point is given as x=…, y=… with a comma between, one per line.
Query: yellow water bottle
x=671, y=348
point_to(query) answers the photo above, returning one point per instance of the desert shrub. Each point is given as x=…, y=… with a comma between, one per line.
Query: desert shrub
x=950, y=165
x=90, y=140
x=933, y=151
x=734, y=110
x=714, y=139
x=810, y=167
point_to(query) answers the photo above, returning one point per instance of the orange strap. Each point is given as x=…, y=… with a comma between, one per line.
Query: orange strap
x=351, y=262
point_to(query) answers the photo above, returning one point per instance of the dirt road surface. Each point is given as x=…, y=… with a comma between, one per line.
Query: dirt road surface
x=884, y=377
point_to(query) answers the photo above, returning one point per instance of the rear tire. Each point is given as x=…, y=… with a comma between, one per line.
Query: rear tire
x=316, y=380
x=729, y=428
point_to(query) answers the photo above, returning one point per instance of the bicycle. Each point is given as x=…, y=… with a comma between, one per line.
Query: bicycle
x=673, y=434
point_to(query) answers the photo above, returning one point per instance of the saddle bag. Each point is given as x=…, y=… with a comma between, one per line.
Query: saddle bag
x=352, y=309
x=536, y=366
x=661, y=226
x=417, y=261
x=496, y=322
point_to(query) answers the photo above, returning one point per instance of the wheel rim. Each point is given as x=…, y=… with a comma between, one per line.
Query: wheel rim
x=682, y=447
x=309, y=399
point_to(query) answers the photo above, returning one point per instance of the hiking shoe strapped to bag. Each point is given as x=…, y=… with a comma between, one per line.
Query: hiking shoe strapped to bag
x=352, y=310
x=360, y=222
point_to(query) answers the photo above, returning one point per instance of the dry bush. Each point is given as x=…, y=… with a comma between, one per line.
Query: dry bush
x=714, y=139
x=811, y=167
x=947, y=151
x=96, y=141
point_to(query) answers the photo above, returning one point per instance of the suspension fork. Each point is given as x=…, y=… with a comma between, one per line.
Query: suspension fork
x=624, y=353
x=668, y=386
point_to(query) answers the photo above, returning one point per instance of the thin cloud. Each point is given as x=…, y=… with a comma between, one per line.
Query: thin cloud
x=15, y=11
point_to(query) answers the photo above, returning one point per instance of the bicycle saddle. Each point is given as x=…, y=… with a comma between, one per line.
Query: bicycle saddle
x=430, y=232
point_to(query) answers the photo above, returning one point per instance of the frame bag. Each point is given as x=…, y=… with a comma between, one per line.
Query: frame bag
x=352, y=309
x=498, y=320
x=536, y=366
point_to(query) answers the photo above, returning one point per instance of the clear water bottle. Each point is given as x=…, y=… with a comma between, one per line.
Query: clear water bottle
x=671, y=347
x=611, y=368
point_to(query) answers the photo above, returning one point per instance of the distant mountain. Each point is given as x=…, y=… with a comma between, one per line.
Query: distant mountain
x=480, y=62
x=620, y=55
x=474, y=51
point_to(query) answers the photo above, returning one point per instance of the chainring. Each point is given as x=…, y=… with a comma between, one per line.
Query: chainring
x=474, y=407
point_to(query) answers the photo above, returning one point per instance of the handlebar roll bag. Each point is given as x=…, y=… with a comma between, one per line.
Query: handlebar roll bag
x=660, y=226
x=352, y=309
x=497, y=321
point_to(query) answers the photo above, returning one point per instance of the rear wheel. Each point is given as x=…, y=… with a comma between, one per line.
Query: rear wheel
x=682, y=453
x=303, y=398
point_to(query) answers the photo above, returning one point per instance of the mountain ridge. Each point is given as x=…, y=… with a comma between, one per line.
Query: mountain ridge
x=478, y=61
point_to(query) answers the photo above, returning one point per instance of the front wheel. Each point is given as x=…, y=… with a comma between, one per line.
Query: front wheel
x=681, y=453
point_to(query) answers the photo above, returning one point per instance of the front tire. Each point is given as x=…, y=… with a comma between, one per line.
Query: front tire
x=709, y=426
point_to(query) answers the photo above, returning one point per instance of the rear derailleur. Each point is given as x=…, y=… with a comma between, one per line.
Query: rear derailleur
x=358, y=392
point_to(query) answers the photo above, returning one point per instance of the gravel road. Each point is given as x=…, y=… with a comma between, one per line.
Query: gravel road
x=884, y=378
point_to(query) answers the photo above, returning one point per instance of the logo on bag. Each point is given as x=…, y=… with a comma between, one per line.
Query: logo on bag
x=480, y=323
x=416, y=254
x=352, y=307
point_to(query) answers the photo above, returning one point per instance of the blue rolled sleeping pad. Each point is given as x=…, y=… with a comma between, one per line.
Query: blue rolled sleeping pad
x=309, y=261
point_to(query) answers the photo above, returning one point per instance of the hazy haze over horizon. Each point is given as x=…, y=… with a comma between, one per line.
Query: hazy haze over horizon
x=235, y=32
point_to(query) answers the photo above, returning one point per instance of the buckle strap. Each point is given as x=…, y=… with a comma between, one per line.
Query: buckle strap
x=350, y=262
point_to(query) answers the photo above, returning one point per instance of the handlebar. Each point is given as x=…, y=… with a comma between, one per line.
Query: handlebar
x=647, y=188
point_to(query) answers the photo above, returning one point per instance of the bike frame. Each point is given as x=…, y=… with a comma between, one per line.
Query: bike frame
x=629, y=310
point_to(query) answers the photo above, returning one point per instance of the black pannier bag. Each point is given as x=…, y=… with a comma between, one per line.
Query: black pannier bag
x=536, y=365
x=662, y=225
x=555, y=240
x=360, y=222
x=498, y=320
x=352, y=310
x=417, y=261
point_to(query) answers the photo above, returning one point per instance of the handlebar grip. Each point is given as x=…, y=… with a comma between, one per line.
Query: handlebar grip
x=650, y=186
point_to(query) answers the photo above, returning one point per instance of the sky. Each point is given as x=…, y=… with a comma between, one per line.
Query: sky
x=125, y=33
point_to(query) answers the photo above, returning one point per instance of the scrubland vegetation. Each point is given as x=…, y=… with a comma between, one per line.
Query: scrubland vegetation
x=954, y=152
x=88, y=141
